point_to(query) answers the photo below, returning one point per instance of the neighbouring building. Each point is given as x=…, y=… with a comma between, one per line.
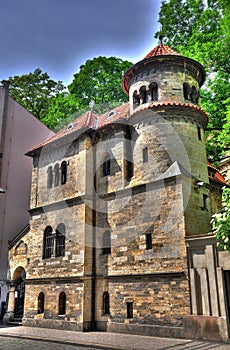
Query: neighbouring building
x=19, y=130
x=120, y=212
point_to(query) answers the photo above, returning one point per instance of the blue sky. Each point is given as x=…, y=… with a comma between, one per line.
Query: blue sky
x=60, y=35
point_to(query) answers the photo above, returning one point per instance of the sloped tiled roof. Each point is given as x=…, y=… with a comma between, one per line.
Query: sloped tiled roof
x=84, y=122
x=218, y=177
x=161, y=50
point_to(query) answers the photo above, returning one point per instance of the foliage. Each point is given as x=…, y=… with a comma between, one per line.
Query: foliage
x=221, y=222
x=200, y=30
x=61, y=108
x=34, y=91
x=99, y=80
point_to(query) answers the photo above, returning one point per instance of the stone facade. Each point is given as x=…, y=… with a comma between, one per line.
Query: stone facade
x=125, y=190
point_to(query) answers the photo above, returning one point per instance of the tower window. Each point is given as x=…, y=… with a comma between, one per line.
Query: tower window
x=145, y=154
x=149, y=241
x=144, y=95
x=136, y=98
x=129, y=306
x=106, y=168
x=48, y=243
x=56, y=174
x=199, y=133
x=62, y=304
x=41, y=303
x=187, y=91
x=49, y=177
x=106, y=243
x=60, y=240
x=106, y=306
x=153, y=87
x=205, y=201
x=63, y=172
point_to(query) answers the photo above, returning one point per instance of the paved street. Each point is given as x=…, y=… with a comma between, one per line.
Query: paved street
x=26, y=344
x=24, y=338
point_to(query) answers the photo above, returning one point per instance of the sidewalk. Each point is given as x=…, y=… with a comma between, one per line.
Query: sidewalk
x=109, y=341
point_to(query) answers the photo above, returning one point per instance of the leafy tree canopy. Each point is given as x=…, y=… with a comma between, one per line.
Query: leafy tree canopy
x=34, y=91
x=99, y=80
x=221, y=222
x=200, y=30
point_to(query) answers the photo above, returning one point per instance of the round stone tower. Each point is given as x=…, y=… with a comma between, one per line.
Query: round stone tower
x=165, y=88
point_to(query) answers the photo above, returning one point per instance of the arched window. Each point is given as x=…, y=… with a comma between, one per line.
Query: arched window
x=154, y=91
x=60, y=240
x=106, y=167
x=62, y=304
x=56, y=174
x=106, y=243
x=144, y=95
x=48, y=243
x=106, y=308
x=41, y=303
x=136, y=98
x=187, y=91
x=49, y=177
x=194, y=95
x=63, y=172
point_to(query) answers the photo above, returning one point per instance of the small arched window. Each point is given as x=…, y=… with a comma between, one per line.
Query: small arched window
x=106, y=167
x=106, y=242
x=187, y=91
x=136, y=98
x=62, y=304
x=60, y=240
x=63, y=172
x=153, y=87
x=56, y=174
x=49, y=177
x=144, y=95
x=41, y=303
x=48, y=243
x=106, y=306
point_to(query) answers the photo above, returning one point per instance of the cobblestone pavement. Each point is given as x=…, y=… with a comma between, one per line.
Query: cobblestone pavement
x=33, y=338
x=26, y=344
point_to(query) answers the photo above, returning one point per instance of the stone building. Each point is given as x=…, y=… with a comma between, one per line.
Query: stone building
x=120, y=212
x=19, y=131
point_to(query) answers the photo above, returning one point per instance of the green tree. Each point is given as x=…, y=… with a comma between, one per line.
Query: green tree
x=99, y=80
x=60, y=111
x=34, y=91
x=221, y=222
x=200, y=30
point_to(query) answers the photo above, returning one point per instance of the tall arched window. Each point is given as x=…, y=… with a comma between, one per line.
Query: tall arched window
x=48, y=243
x=56, y=174
x=186, y=91
x=49, y=177
x=63, y=172
x=60, y=240
x=106, y=167
x=153, y=87
x=41, y=303
x=62, y=304
x=144, y=95
x=136, y=98
x=106, y=242
x=106, y=306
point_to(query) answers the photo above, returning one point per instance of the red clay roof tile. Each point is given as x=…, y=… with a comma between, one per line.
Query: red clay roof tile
x=161, y=50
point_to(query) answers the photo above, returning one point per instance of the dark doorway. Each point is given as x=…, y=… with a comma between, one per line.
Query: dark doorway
x=19, y=295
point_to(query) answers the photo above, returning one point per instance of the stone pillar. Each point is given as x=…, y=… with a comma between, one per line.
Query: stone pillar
x=209, y=252
x=220, y=282
x=193, y=291
x=204, y=291
x=9, y=316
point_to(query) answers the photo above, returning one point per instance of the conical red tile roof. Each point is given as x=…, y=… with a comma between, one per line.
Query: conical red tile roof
x=161, y=50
